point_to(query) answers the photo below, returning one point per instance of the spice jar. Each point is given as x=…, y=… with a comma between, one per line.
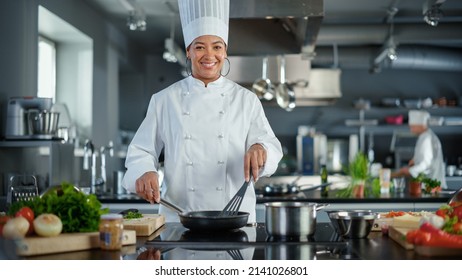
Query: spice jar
x=111, y=231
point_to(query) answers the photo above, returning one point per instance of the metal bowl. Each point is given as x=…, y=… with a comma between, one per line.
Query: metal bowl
x=42, y=122
x=352, y=224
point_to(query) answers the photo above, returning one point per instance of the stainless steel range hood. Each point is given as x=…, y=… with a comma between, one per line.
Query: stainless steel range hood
x=323, y=83
x=273, y=27
x=270, y=28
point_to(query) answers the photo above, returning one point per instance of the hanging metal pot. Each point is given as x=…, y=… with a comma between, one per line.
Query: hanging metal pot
x=263, y=87
x=285, y=95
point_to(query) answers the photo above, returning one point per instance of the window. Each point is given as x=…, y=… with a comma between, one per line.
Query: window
x=46, y=68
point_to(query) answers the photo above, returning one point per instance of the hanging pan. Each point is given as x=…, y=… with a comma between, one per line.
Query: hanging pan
x=285, y=95
x=263, y=87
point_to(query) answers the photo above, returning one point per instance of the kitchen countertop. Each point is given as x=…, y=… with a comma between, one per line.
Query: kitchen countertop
x=338, y=181
x=173, y=241
x=314, y=196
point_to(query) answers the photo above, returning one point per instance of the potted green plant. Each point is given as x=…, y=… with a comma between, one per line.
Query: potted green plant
x=358, y=169
x=415, y=184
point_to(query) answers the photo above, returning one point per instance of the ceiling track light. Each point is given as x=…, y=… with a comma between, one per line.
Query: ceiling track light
x=432, y=12
x=391, y=48
x=388, y=49
x=136, y=20
x=172, y=52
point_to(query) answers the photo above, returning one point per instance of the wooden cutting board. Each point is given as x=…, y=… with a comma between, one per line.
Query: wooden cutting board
x=399, y=235
x=146, y=225
x=65, y=242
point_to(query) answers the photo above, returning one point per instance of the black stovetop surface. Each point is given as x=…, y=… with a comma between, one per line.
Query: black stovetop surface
x=175, y=232
x=176, y=242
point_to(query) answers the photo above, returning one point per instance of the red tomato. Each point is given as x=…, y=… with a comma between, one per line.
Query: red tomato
x=457, y=228
x=3, y=220
x=27, y=213
x=441, y=212
x=457, y=212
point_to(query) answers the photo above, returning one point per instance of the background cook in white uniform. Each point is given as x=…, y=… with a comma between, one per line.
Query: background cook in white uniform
x=212, y=132
x=428, y=155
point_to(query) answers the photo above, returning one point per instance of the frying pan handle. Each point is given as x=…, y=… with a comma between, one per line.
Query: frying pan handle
x=171, y=206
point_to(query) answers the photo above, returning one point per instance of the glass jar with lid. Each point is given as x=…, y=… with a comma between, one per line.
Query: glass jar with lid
x=111, y=231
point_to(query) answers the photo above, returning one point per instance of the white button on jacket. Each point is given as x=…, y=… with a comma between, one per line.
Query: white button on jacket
x=223, y=121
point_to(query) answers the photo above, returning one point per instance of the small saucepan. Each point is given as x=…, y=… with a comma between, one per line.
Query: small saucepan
x=291, y=218
x=208, y=220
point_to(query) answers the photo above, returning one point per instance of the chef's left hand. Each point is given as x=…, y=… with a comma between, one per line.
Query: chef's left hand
x=254, y=160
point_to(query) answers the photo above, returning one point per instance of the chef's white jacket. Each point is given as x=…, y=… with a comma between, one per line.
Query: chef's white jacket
x=205, y=133
x=428, y=157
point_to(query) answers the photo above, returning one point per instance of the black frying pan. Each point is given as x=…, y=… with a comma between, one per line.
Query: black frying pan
x=208, y=220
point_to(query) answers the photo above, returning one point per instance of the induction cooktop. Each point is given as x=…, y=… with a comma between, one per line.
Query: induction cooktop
x=173, y=241
x=175, y=232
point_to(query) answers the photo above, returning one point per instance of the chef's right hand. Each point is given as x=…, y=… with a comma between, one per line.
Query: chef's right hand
x=147, y=186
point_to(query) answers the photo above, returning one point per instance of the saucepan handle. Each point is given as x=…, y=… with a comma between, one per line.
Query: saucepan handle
x=321, y=206
x=171, y=206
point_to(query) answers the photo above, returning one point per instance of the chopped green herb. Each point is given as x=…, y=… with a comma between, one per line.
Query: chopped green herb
x=133, y=215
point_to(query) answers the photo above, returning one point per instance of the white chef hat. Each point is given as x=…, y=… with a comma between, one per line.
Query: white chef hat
x=204, y=17
x=418, y=117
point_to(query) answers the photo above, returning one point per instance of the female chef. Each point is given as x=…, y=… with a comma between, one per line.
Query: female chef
x=428, y=154
x=213, y=132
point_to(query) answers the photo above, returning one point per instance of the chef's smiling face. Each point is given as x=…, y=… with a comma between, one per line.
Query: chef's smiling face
x=207, y=54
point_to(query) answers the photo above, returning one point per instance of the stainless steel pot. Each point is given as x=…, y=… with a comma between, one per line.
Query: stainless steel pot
x=291, y=218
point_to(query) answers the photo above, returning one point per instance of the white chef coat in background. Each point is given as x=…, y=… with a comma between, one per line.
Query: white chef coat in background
x=428, y=157
x=205, y=133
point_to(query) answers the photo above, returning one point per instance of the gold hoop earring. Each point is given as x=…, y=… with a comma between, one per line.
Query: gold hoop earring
x=229, y=68
x=188, y=66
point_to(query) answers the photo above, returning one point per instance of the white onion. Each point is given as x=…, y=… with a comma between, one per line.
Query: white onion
x=48, y=225
x=16, y=228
